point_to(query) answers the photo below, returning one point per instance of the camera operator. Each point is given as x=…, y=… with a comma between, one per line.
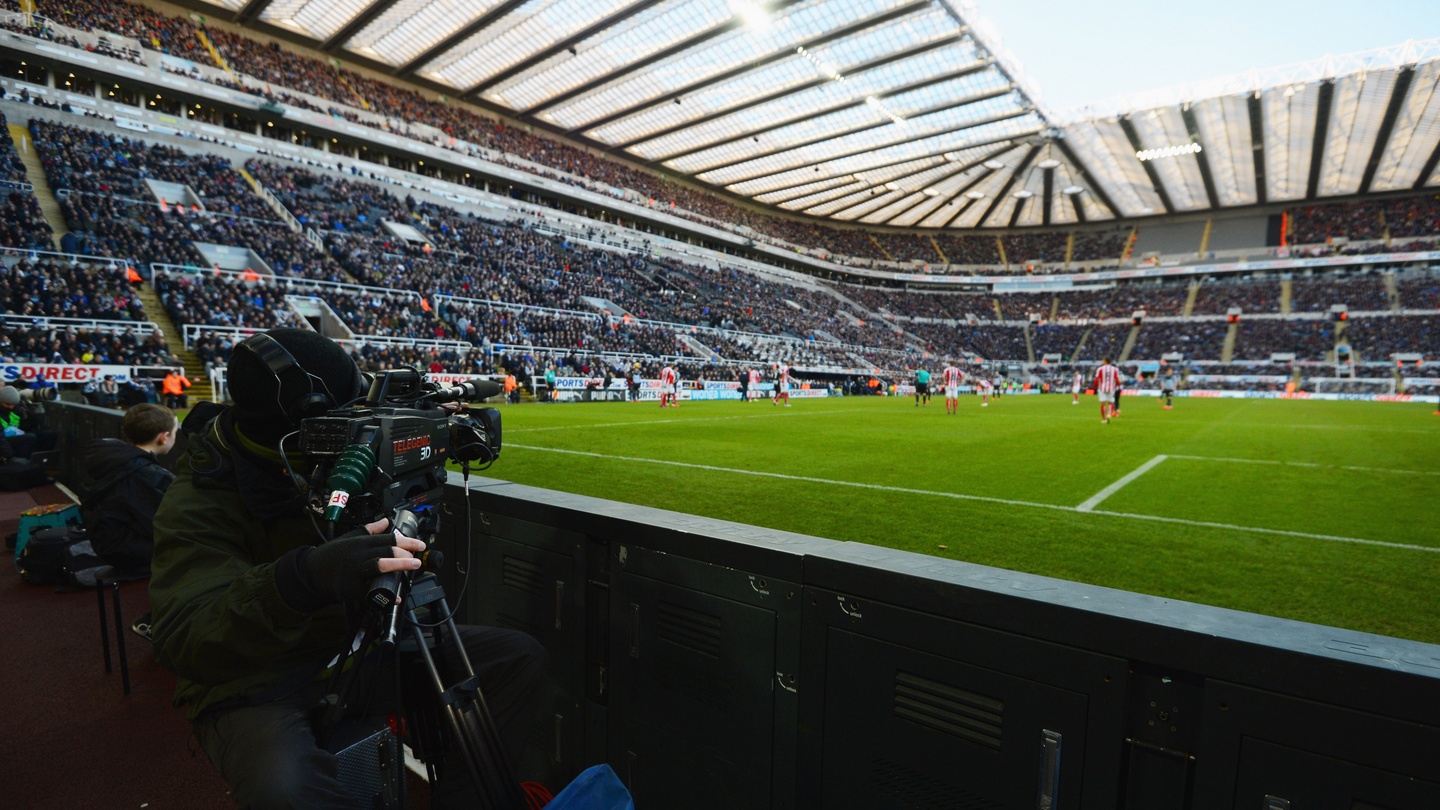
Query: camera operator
x=22, y=430
x=250, y=612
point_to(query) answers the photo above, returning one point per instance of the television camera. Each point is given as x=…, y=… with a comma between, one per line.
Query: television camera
x=389, y=452
x=386, y=457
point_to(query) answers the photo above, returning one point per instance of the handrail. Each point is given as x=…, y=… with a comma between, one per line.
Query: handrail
x=55, y=255
x=161, y=204
x=93, y=324
x=286, y=282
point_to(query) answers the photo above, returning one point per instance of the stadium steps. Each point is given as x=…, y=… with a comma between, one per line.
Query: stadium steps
x=1287, y=287
x=1227, y=351
x=35, y=174
x=880, y=247
x=272, y=201
x=1069, y=251
x=1029, y=344
x=1129, y=343
x=1205, y=236
x=200, y=389
x=1075, y=355
x=1054, y=307
x=938, y=251
x=364, y=104
x=214, y=53
x=1000, y=246
x=1190, y=296
x=1392, y=291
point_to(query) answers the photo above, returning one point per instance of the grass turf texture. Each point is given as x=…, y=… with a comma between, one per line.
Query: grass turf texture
x=1001, y=485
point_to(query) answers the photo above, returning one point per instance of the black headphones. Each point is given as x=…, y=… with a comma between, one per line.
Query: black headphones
x=306, y=394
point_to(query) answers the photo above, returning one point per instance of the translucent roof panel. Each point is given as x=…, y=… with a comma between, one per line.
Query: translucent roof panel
x=647, y=32
x=740, y=46
x=875, y=111
x=1416, y=134
x=532, y=27
x=858, y=81
x=1289, y=116
x=911, y=150
x=1224, y=125
x=1179, y=175
x=1356, y=112
x=317, y=18
x=409, y=27
x=871, y=129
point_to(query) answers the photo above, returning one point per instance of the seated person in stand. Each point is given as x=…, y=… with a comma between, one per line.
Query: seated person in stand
x=253, y=606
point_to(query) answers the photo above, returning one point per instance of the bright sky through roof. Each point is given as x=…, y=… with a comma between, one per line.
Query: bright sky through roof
x=1078, y=53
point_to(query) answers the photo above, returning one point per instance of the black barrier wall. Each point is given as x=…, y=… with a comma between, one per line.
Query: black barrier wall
x=719, y=665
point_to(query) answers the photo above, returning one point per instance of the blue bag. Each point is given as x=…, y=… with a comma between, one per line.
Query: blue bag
x=596, y=788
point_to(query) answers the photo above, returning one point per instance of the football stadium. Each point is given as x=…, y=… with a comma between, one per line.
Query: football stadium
x=875, y=433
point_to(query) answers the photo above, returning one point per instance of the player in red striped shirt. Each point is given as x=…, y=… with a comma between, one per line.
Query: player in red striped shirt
x=782, y=385
x=951, y=377
x=1107, y=382
x=668, y=378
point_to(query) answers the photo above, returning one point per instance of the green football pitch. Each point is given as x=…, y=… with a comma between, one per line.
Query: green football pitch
x=1325, y=512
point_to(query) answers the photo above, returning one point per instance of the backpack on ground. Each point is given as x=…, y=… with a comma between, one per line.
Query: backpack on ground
x=61, y=556
x=42, y=561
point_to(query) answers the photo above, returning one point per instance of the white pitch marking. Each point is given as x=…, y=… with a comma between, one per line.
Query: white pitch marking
x=805, y=478
x=680, y=421
x=1006, y=501
x=1306, y=464
x=1211, y=524
x=1095, y=499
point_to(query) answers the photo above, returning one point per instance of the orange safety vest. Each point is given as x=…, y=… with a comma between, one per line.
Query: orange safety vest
x=174, y=384
x=510, y=384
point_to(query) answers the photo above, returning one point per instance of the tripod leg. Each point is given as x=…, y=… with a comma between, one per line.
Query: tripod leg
x=471, y=726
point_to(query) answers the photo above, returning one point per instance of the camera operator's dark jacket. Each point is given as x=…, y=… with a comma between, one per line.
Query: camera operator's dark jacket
x=121, y=500
x=221, y=624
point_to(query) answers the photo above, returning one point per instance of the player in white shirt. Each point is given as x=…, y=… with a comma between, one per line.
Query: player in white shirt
x=753, y=375
x=951, y=378
x=1076, y=387
x=983, y=383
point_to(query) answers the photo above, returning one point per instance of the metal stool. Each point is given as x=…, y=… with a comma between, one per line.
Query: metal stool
x=111, y=579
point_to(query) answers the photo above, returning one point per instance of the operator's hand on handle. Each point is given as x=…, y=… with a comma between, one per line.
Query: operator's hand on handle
x=341, y=570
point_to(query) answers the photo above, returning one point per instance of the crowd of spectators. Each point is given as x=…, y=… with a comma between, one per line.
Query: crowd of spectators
x=1358, y=293
x=46, y=342
x=1193, y=339
x=205, y=299
x=1411, y=216
x=1419, y=292
x=48, y=289
x=1217, y=297
x=1307, y=339
x=1319, y=224
x=90, y=161
x=1055, y=339
x=1099, y=245
x=327, y=204
x=21, y=222
x=972, y=250
x=463, y=129
x=1047, y=248
x=1378, y=338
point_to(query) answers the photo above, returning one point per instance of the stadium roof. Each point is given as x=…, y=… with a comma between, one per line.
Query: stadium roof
x=889, y=112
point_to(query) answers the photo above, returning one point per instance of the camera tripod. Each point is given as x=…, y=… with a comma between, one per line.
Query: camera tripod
x=456, y=714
